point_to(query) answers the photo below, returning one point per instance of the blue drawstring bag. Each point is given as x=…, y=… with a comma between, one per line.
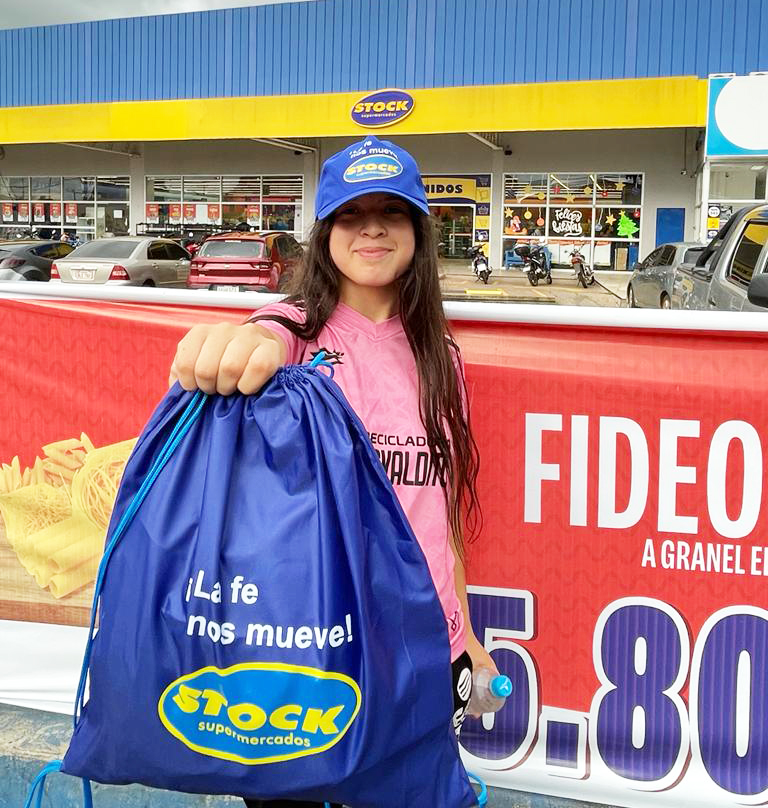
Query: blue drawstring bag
x=268, y=626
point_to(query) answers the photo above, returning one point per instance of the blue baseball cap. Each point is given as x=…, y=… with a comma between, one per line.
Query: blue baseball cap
x=367, y=167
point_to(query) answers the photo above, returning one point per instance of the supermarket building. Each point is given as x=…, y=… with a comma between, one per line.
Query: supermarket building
x=615, y=125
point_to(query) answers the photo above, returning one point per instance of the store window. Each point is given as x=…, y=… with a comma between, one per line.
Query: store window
x=45, y=188
x=732, y=186
x=259, y=202
x=79, y=189
x=163, y=189
x=83, y=207
x=112, y=189
x=743, y=183
x=202, y=189
x=14, y=188
x=600, y=213
x=461, y=205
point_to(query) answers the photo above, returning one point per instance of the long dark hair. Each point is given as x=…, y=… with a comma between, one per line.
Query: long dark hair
x=315, y=289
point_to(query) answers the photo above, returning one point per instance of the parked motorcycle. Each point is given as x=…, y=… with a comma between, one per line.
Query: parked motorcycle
x=479, y=264
x=536, y=264
x=584, y=272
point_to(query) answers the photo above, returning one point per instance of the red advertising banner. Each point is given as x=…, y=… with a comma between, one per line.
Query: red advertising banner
x=38, y=212
x=174, y=213
x=152, y=213
x=70, y=213
x=252, y=213
x=214, y=211
x=23, y=211
x=620, y=577
x=190, y=211
x=7, y=212
x=55, y=211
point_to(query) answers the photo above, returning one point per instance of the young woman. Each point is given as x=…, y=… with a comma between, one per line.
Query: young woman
x=368, y=295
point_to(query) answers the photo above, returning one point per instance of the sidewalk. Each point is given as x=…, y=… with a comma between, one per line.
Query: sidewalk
x=512, y=286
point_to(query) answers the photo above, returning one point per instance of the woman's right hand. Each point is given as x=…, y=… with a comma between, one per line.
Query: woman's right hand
x=225, y=357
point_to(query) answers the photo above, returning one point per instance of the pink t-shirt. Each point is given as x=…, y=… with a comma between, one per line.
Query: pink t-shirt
x=375, y=367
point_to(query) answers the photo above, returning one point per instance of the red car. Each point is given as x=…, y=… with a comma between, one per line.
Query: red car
x=244, y=261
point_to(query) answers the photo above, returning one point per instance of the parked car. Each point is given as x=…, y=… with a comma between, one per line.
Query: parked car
x=127, y=261
x=30, y=260
x=731, y=273
x=244, y=261
x=653, y=279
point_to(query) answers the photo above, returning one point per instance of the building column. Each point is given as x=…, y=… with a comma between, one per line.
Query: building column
x=496, y=234
x=701, y=235
x=311, y=170
x=137, y=190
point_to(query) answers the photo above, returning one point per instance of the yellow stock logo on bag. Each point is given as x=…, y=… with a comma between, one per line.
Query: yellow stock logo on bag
x=260, y=712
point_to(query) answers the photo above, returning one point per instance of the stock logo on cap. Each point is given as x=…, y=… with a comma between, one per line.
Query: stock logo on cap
x=373, y=167
x=382, y=108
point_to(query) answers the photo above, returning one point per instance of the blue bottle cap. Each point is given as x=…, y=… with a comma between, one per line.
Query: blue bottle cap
x=501, y=686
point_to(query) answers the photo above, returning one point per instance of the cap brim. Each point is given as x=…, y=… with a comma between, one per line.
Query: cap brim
x=328, y=209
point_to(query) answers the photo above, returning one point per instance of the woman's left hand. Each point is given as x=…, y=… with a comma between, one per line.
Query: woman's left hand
x=479, y=656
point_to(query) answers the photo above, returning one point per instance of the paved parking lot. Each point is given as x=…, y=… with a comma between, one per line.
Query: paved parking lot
x=512, y=286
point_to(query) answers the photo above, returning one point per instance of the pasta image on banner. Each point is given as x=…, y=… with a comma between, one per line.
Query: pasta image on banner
x=55, y=513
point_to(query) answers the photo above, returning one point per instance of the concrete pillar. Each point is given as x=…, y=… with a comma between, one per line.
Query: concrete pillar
x=703, y=203
x=496, y=234
x=311, y=169
x=138, y=190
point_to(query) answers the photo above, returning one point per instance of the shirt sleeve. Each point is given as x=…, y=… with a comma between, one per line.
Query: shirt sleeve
x=294, y=346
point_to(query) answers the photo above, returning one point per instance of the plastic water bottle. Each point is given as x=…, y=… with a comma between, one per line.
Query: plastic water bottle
x=489, y=692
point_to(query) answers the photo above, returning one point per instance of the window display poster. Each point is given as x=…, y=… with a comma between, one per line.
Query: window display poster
x=70, y=213
x=23, y=211
x=189, y=212
x=214, y=212
x=7, y=212
x=152, y=214
x=252, y=215
x=55, y=211
x=717, y=216
x=174, y=213
x=38, y=212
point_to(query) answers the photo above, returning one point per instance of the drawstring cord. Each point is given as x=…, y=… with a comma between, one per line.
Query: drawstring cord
x=183, y=426
x=320, y=361
x=37, y=789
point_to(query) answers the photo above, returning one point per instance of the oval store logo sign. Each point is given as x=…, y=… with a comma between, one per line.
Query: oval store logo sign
x=259, y=712
x=382, y=108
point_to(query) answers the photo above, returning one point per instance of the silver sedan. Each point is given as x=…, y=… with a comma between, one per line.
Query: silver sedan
x=125, y=261
x=653, y=279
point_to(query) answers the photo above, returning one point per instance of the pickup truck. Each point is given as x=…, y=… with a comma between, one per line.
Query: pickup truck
x=731, y=272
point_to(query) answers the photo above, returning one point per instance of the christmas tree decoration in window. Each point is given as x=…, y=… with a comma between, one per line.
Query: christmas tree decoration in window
x=626, y=227
x=528, y=214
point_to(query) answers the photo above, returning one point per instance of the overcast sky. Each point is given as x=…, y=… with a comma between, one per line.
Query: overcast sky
x=28, y=13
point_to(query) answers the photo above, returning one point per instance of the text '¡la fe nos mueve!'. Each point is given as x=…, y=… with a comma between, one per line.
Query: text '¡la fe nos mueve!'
x=255, y=633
